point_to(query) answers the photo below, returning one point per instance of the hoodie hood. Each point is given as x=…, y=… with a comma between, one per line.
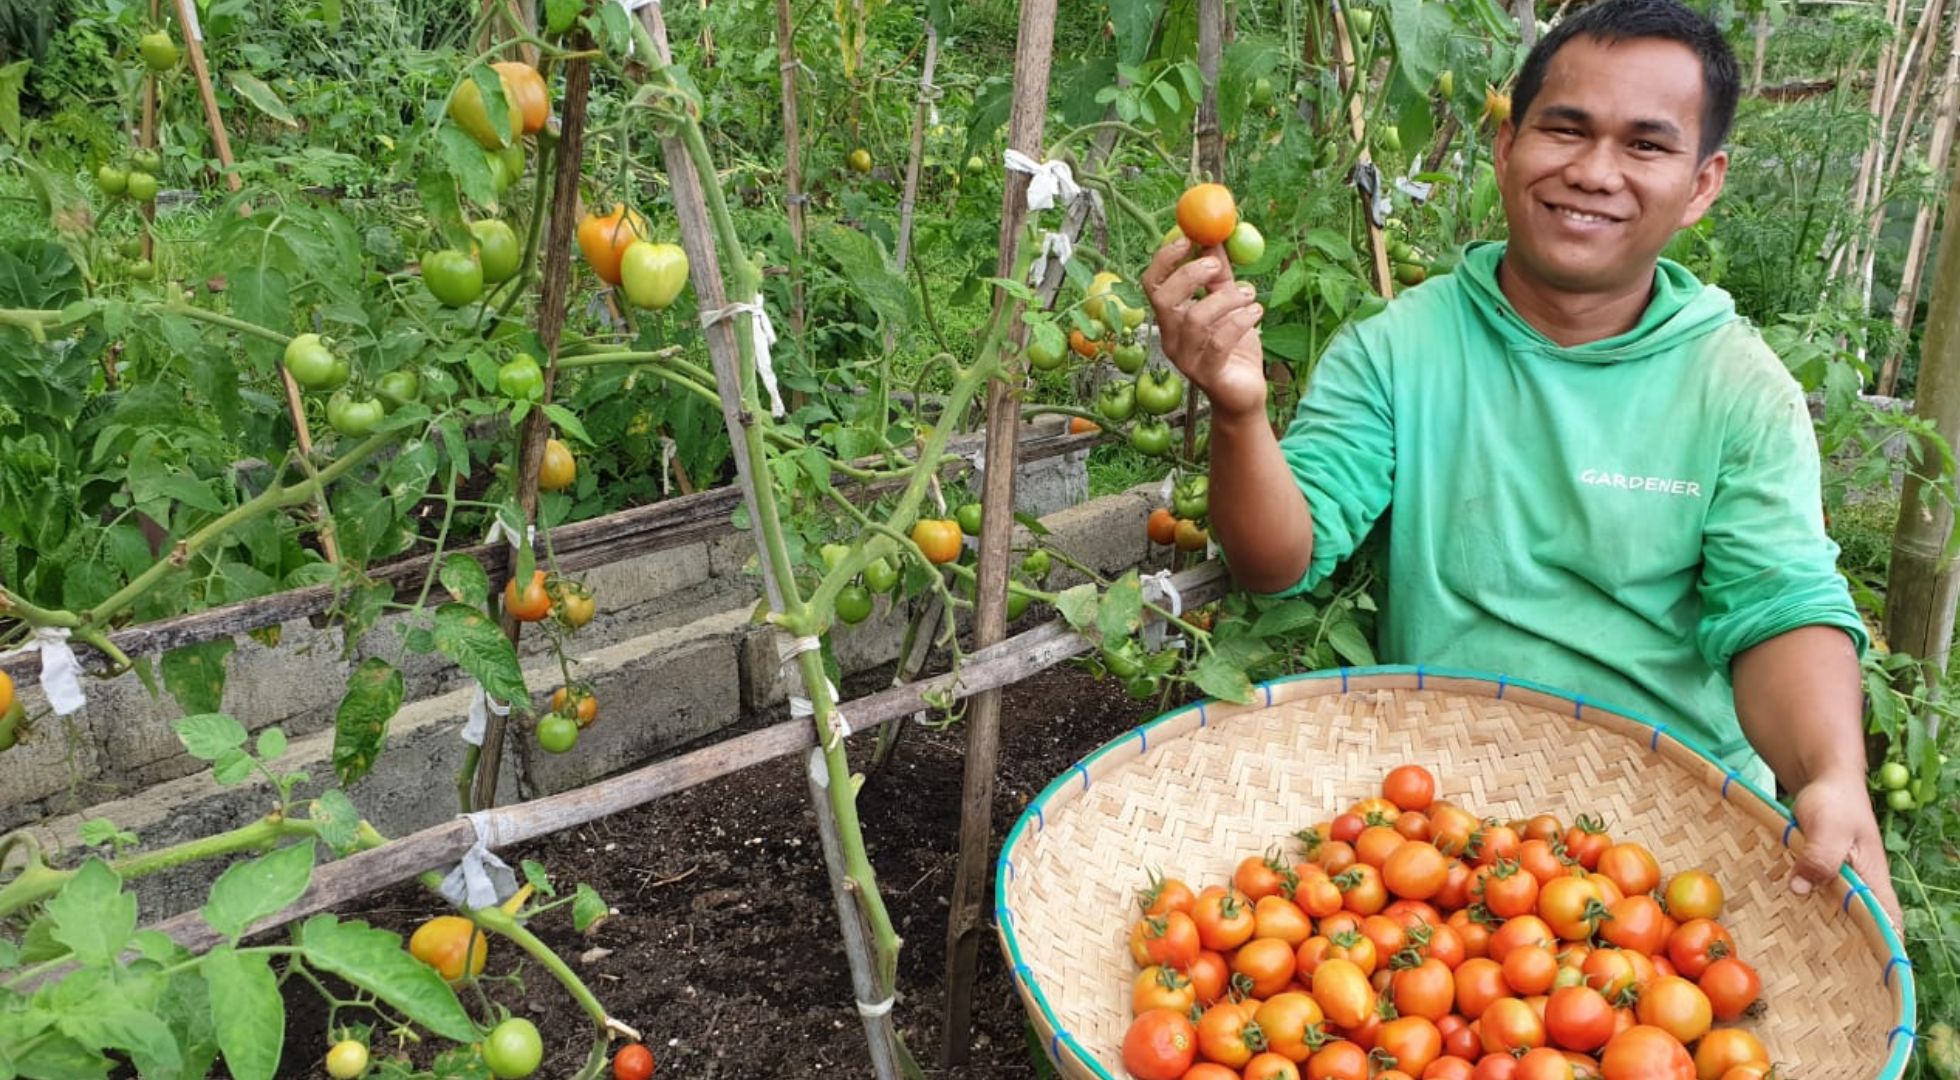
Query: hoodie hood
x=1682, y=310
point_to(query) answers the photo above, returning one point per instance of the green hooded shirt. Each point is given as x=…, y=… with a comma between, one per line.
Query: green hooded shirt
x=1617, y=519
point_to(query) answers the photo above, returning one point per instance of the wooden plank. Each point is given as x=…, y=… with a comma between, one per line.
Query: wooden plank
x=641, y=530
x=336, y=883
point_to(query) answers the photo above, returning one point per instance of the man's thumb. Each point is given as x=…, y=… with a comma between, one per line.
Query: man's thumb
x=1826, y=843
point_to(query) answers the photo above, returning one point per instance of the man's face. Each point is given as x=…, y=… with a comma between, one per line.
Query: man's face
x=1606, y=167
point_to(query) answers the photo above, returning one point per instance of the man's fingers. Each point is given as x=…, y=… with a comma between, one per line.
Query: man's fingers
x=1868, y=859
x=1167, y=259
x=1222, y=342
x=1826, y=844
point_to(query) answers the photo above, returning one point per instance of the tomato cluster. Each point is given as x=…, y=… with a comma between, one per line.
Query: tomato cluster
x=1413, y=940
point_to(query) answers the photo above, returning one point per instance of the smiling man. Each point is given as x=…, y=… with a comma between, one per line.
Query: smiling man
x=1599, y=475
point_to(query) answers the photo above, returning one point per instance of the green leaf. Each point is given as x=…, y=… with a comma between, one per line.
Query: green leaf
x=1350, y=643
x=92, y=915
x=103, y=831
x=568, y=422
x=374, y=695
x=588, y=907
x=870, y=273
x=338, y=820
x=195, y=675
x=116, y=1019
x=251, y=890
x=465, y=161
x=463, y=576
x=536, y=877
x=247, y=1012
x=12, y=78
x=478, y=646
x=52, y=1055
x=1078, y=605
x=1422, y=41
x=272, y=744
x=375, y=961
x=208, y=736
x=262, y=98
x=1122, y=608
x=1290, y=615
x=1218, y=677
x=232, y=767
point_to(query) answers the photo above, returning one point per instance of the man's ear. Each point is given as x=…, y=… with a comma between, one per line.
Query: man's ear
x=1507, y=134
x=1709, y=178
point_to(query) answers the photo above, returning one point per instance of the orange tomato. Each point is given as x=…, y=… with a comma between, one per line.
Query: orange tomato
x=1676, y=1006
x=1697, y=944
x=1162, y=527
x=1509, y=892
x=1222, y=1035
x=1426, y=990
x=1479, y=984
x=1585, y=840
x=1415, y=870
x=1520, y=931
x=939, y=538
x=1731, y=985
x=1646, y=1053
x=1632, y=867
x=1260, y=876
x=1225, y=920
x=1165, y=895
x=450, y=943
x=1694, y=894
x=1277, y=917
x=1159, y=1045
x=1530, y=969
x=1268, y=963
x=1413, y=1041
x=1362, y=891
x=1170, y=939
x=603, y=239
x=1209, y=975
x=1571, y=907
x=1511, y=1024
x=1158, y=987
x=1078, y=425
x=1290, y=1021
x=531, y=604
x=1343, y=993
x=525, y=89
x=1270, y=1066
x=1578, y=1018
x=1207, y=214
x=1727, y=1048
x=1338, y=1060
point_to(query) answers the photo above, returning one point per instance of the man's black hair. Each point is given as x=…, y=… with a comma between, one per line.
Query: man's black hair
x=1614, y=21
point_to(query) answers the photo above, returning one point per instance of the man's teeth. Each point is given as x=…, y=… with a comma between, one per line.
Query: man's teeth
x=1590, y=219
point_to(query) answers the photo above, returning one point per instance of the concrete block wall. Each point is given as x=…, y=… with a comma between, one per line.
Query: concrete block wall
x=673, y=658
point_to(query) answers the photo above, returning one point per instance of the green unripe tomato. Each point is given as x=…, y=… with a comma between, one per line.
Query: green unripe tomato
x=398, y=388
x=352, y=416
x=141, y=186
x=452, y=277
x=1901, y=800
x=112, y=180
x=1017, y=604
x=853, y=604
x=1036, y=565
x=148, y=161
x=880, y=576
x=1141, y=687
x=521, y=379
x=556, y=734
x=497, y=250
x=159, y=52
x=311, y=362
x=1046, y=352
x=652, y=275
x=969, y=518
x=1129, y=359
x=1893, y=775
x=131, y=247
x=1262, y=92
x=833, y=555
x=142, y=270
x=1245, y=246
x=347, y=1060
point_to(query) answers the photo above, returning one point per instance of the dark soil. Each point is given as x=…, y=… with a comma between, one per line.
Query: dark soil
x=725, y=952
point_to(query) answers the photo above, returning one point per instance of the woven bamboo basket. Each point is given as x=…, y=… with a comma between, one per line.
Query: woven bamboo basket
x=1194, y=791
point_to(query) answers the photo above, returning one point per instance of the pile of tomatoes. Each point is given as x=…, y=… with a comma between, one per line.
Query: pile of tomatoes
x=1412, y=940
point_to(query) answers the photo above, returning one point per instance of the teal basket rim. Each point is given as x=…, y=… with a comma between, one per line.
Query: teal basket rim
x=1899, y=1049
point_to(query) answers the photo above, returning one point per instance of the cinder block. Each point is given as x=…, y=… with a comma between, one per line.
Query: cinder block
x=40, y=765
x=655, y=692
x=647, y=578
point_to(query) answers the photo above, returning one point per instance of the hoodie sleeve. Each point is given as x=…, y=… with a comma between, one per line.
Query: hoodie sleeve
x=1341, y=448
x=1768, y=566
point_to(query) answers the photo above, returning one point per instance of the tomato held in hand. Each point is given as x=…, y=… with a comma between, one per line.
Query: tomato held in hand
x=1206, y=214
x=452, y=277
x=652, y=275
x=445, y=942
x=532, y=603
x=633, y=1062
x=558, y=469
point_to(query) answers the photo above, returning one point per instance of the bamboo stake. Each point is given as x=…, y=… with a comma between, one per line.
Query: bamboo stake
x=1863, y=193
x=1906, y=304
x=1920, y=600
x=1759, y=28
x=554, y=290
x=927, y=93
x=793, y=159
x=1527, y=13
x=1033, y=55
x=1885, y=167
x=1358, y=126
x=146, y=139
x=829, y=775
x=1211, y=157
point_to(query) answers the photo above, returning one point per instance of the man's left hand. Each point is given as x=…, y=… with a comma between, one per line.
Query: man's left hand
x=1835, y=814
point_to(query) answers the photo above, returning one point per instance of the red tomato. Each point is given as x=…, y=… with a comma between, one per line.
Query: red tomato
x=1224, y=918
x=1260, y=876
x=1413, y=1041
x=1362, y=890
x=1635, y=922
x=1479, y=983
x=1338, y=1060
x=1731, y=985
x=1697, y=944
x=1410, y=787
x=1346, y=827
x=1497, y=843
x=1578, y=1018
x=1415, y=870
x=1511, y=1024
x=1523, y=930
x=1646, y=1053
x=1449, y=1068
x=1427, y=990
x=1171, y=939
x=1160, y=1045
x=1509, y=892
x=1209, y=975
x=1413, y=824
x=1458, y=1040
x=1543, y=861
x=1585, y=840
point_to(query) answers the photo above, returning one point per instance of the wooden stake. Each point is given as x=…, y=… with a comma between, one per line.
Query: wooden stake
x=554, y=290
x=1906, y=304
x=1211, y=55
x=1924, y=585
x=868, y=983
x=1032, y=58
x=194, y=46
x=1527, y=13
x=1358, y=127
x=927, y=92
x=793, y=159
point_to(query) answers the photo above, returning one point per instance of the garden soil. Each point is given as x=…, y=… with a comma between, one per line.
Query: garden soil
x=725, y=951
